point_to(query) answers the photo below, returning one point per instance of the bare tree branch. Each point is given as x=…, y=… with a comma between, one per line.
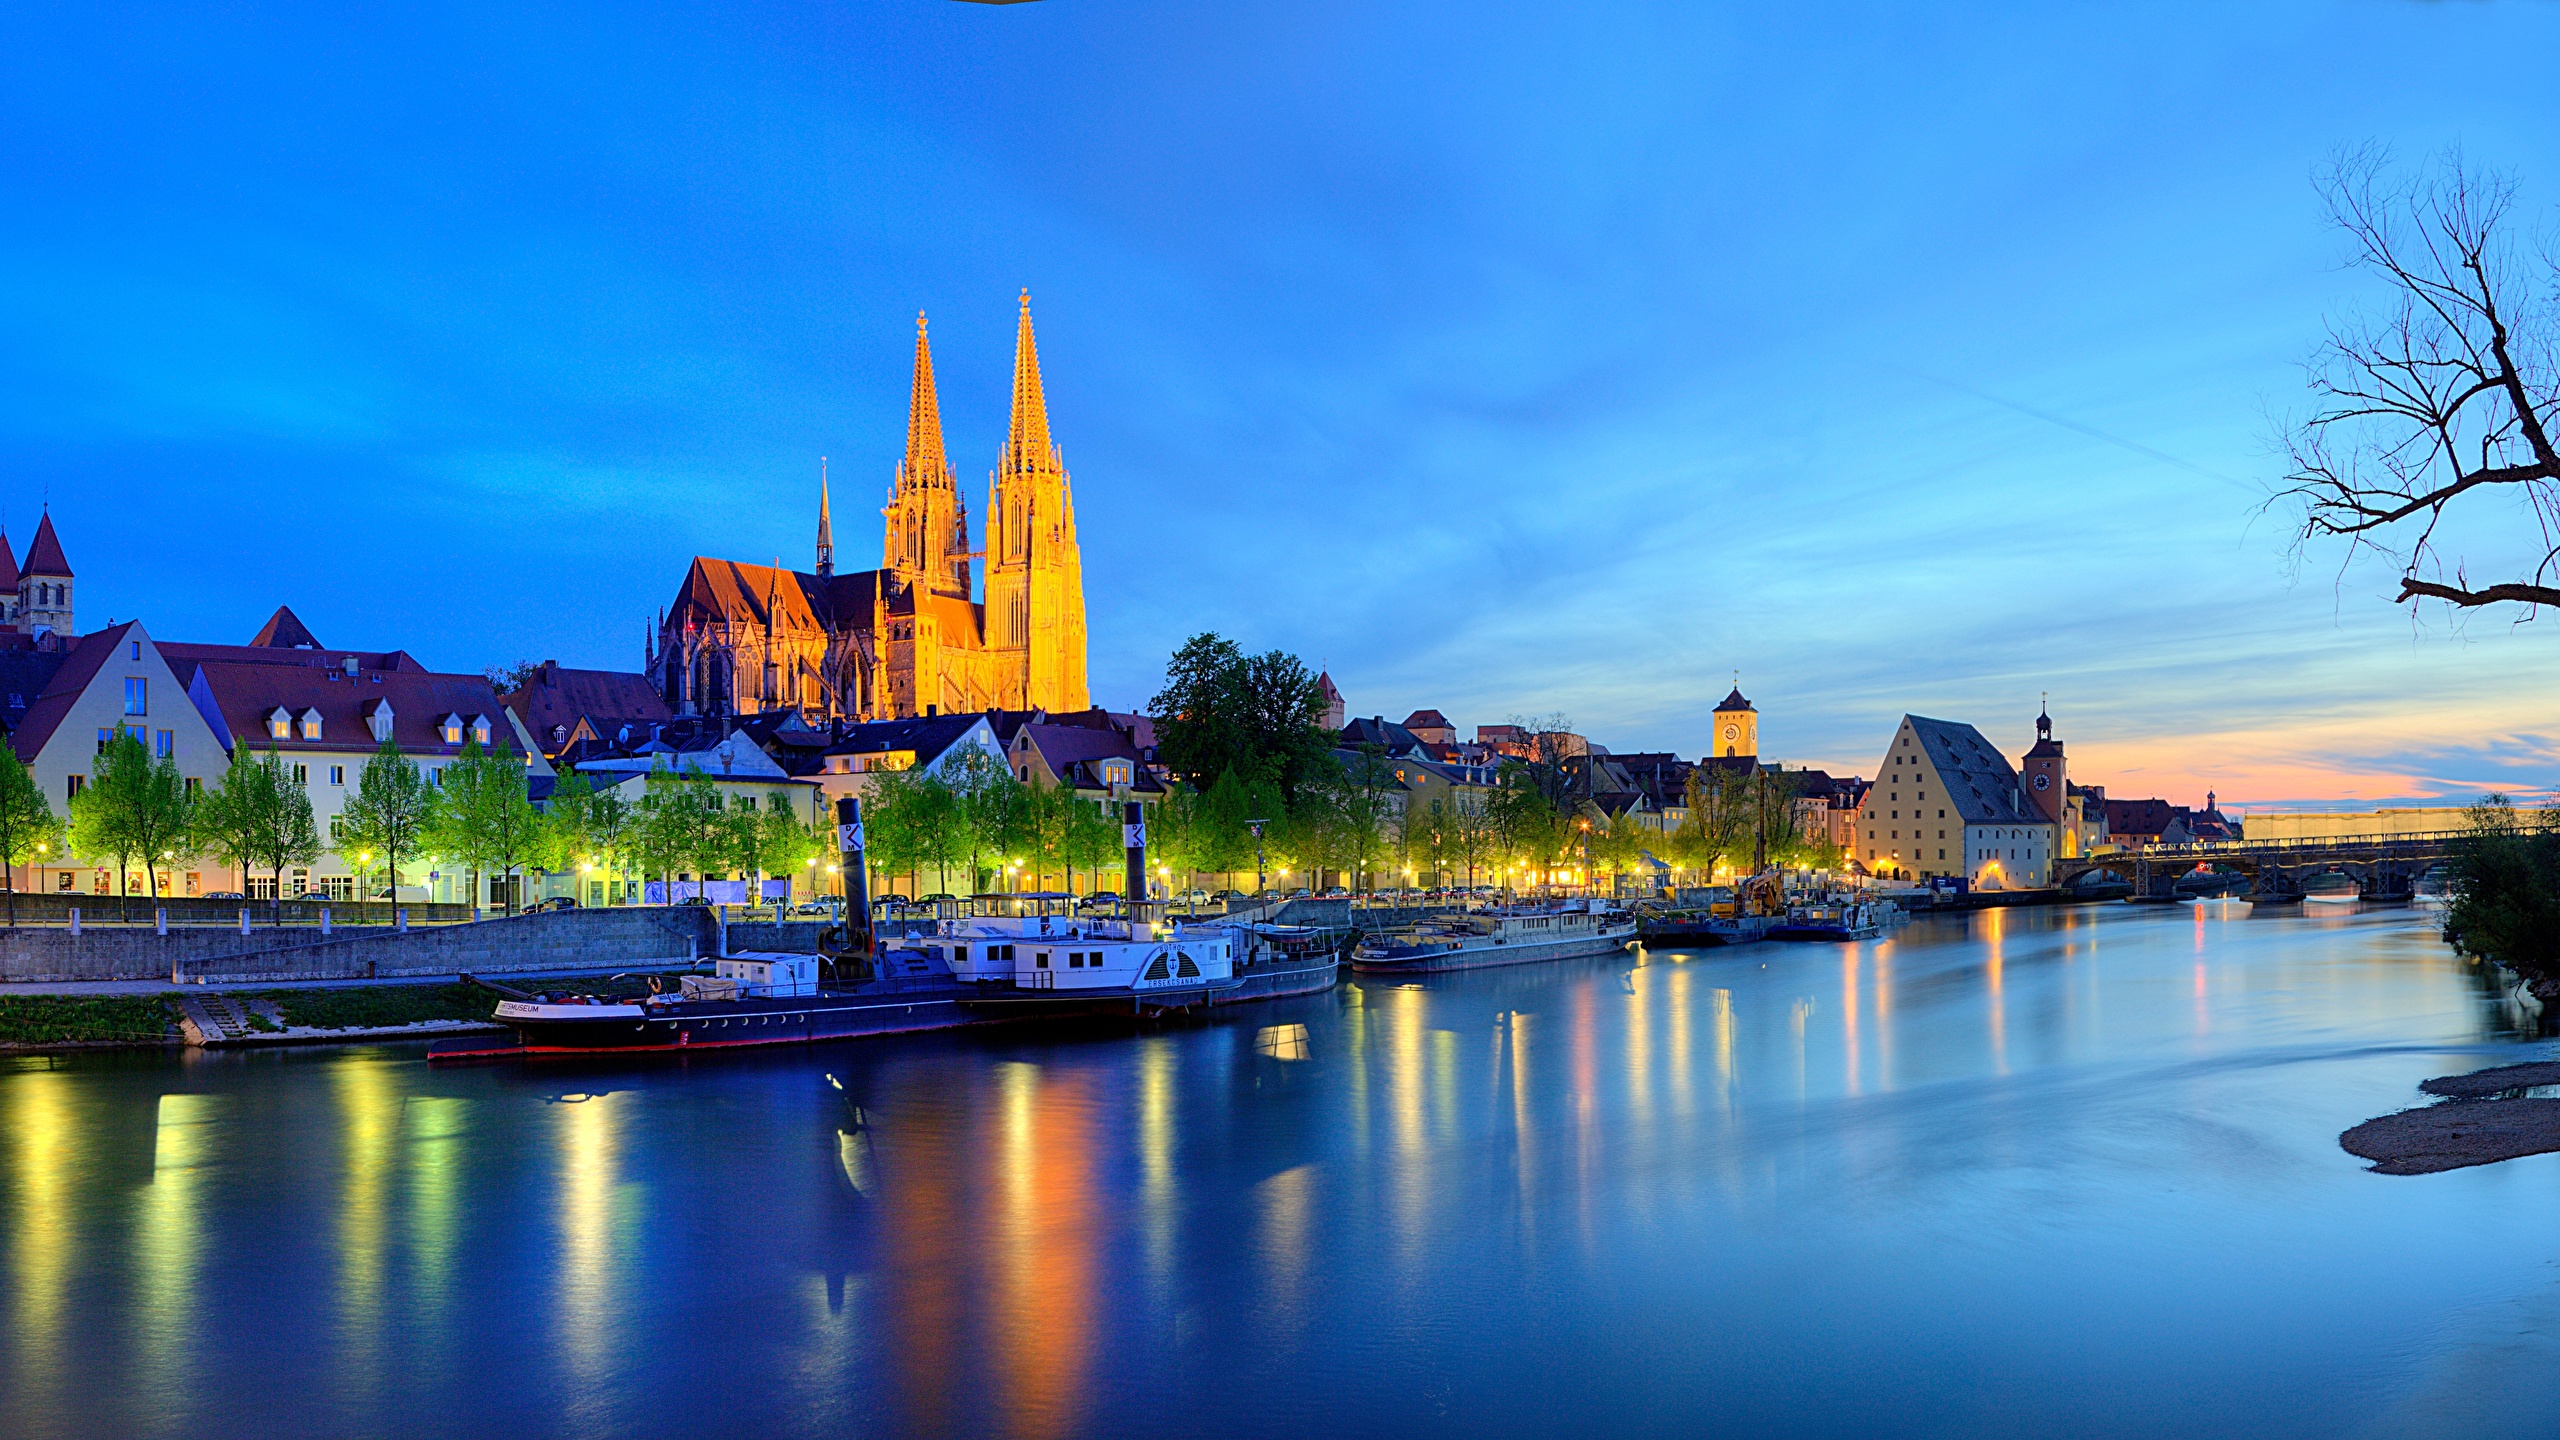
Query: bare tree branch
x=2451, y=394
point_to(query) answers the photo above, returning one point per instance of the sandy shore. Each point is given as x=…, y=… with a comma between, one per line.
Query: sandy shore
x=2485, y=1119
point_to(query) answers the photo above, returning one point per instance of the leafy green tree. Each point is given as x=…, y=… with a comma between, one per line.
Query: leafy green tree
x=791, y=844
x=983, y=791
x=133, y=808
x=1092, y=838
x=1223, y=710
x=682, y=826
x=1527, y=828
x=233, y=821
x=2506, y=889
x=486, y=818
x=389, y=814
x=27, y=824
x=612, y=830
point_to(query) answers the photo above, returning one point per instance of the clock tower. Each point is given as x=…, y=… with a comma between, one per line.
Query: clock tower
x=2042, y=772
x=1737, y=733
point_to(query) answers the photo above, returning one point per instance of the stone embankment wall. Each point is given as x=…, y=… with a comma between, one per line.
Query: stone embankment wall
x=54, y=907
x=631, y=936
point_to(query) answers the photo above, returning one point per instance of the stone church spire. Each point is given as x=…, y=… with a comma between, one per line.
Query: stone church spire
x=1035, y=575
x=924, y=462
x=1026, y=445
x=924, y=543
x=826, y=526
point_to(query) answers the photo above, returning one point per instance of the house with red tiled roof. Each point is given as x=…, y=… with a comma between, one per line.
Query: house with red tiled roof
x=560, y=706
x=325, y=712
x=115, y=679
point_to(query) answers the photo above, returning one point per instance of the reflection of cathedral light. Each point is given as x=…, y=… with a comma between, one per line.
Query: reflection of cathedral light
x=912, y=637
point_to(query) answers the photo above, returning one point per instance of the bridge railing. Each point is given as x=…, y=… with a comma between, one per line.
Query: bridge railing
x=2297, y=844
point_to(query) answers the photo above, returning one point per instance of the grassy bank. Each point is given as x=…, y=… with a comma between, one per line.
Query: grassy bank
x=60, y=1019
x=364, y=1006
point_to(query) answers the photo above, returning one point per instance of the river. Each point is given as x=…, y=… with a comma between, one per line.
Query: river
x=2018, y=1173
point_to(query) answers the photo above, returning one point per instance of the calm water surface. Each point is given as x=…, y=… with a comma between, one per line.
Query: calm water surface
x=2023, y=1174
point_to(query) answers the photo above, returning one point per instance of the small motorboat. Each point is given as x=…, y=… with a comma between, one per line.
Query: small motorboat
x=2331, y=887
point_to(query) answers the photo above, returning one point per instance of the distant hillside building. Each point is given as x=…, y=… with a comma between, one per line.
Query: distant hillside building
x=910, y=638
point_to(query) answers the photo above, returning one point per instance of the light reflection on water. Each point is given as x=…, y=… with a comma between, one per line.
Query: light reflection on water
x=2034, y=1172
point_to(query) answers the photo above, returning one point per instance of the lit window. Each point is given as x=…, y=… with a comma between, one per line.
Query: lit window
x=279, y=725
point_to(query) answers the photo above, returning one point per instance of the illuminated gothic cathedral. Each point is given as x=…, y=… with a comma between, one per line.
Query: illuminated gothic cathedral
x=912, y=637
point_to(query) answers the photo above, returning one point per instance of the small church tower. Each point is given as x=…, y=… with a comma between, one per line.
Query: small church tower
x=1737, y=730
x=44, y=585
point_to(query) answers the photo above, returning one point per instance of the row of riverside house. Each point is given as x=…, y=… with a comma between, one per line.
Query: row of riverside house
x=324, y=712
x=1945, y=803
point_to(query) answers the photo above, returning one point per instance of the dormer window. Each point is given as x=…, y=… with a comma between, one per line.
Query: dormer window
x=310, y=723
x=480, y=728
x=378, y=719
x=449, y=729
x=279, y=724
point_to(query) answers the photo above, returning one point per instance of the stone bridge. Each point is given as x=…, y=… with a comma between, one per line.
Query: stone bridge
x=2384, y=865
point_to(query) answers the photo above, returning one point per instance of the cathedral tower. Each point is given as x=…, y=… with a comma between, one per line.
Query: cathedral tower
x=926, y=540
x=1035, y=576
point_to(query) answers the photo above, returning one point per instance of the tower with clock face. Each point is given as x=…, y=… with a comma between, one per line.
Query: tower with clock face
x=1737, y=730
x=2042, y=773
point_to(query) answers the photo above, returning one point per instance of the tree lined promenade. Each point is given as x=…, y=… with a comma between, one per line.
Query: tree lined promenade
x=1259, y=786
x=139, y=816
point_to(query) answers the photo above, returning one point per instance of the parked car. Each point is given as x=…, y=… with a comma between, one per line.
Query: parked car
x=225, y=895
x=1195, y=897
x=1337, y=893
x=813, y=907
x=405, y=894
x=693, y=900
x=557, y=902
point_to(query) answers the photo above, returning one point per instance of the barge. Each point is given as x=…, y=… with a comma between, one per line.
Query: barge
x=1520, y=935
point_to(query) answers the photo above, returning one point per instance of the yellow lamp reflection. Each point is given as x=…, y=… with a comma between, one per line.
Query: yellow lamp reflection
x=589, y=1135
x=169, y=1240
x=1678, y=985
x=435, y=1140
x=40, y=1249
x=1995, y=930
x=1155, y=1154
x=1849, y=1020
x=368, y=1130
x=1046, y=1251
x=1284, y=1206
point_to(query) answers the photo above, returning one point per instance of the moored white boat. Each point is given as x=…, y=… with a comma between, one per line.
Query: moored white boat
x=1517, y=935
x=2331, y=887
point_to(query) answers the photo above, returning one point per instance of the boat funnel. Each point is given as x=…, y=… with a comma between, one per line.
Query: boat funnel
x=857, y=879
x=1133, y=842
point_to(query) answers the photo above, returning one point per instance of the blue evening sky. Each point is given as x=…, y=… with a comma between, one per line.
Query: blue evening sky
x=1507, y=359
